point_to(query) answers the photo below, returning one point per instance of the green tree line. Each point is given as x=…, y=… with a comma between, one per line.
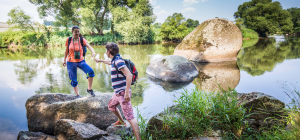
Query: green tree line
x=267, y=17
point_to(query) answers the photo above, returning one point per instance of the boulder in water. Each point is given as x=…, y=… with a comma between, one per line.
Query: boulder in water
x=214, y=40
x=172, y=69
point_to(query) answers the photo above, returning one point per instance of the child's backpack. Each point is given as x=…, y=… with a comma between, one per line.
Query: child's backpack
x=81, y=42
x=130, y=65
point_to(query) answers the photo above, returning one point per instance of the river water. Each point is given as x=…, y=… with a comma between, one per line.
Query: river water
x=269, y=65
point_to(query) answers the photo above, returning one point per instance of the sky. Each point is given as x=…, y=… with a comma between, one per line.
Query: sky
x=200, y=10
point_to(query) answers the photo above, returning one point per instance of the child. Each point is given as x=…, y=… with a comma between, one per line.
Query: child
x=121, y=86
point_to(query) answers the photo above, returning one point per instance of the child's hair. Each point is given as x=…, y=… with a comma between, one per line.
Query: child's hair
x=112, y=48
x=74, y=27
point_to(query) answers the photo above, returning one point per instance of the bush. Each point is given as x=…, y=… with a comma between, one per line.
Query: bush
x=197, y=113
x=249, y=33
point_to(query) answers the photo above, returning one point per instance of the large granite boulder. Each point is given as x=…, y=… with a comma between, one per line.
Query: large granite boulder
x=111, y=137
x=214, y=40
x=265, y=110
x=66, y=129
x=26, y=135
x=43, y=110
x=172, y=69
x=214, y=76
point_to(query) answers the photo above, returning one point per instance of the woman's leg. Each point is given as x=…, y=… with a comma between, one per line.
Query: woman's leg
x=72, y=71
x=88, y=71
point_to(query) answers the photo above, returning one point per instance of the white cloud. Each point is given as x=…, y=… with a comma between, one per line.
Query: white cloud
x=188, y=9
x=161, y=12
x=189, y=2
x=156, y=7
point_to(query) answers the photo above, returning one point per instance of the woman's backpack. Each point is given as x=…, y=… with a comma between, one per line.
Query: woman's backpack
x=81, y=42
x=130, y=65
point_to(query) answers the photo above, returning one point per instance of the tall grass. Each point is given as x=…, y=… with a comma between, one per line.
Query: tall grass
x=249, y=33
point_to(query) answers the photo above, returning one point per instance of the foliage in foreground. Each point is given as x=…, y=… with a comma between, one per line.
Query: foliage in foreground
x=202, y=112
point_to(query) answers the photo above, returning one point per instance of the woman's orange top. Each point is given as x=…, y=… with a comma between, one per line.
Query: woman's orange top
x=77, y=44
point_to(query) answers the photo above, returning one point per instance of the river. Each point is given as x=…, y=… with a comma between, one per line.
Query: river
x=271, y=66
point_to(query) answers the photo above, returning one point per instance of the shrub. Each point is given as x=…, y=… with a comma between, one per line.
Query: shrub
x=249, y=33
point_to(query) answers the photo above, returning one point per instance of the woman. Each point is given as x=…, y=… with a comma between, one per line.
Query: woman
x=75, y=59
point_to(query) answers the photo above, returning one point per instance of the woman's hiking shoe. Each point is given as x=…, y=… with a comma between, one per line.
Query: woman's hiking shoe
x=77, y=97
x=119, y=123
x=91, y=92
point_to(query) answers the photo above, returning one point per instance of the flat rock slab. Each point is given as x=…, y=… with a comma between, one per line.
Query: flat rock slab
x=66, y=129
x=120, y=130
x=26, y=135
x=172, y=69
x=214, y=40
x=111, y=137
x=43, y=110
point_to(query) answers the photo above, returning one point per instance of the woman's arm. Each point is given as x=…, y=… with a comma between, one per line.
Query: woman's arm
x=66, y=54
x=91, y=49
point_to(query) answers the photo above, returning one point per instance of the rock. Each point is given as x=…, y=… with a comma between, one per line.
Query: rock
x=214, y=40
x=168, y=86
x=111, y=137
x=266, y=110
x=206, y=138
x=213, y=75
x=26, y=135
x=43, y=110
x=172, y=69
x=155, y=126
x=66, y=129
x=120, y=130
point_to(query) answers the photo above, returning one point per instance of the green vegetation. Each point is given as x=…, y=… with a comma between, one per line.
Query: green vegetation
x=248, y=33
x=265, y=55
x=265, y=17
x=197, y=113
x=176, y=28
x=295, y=12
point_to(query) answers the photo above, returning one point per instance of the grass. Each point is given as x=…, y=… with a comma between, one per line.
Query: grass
x=198, y=113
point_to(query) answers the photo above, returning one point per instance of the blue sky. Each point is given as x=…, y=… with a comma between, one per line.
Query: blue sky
x=195, y=9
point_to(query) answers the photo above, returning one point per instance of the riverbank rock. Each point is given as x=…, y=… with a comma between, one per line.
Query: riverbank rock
x=111, y=137
x=66, y=129
x=26, y=135
x=265, y=110
x=43, y=110
x=214, y=76
x=172, y=69
x=120, y=130
x=214, y=40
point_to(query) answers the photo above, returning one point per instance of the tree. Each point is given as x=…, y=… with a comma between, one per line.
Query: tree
x=295, y=12
x=134, y=25
x=91, y=14
x=239, y=22
x=19, y=20
x=157, y=25
x=192, y=23
x=175, y=27
x=265, y=16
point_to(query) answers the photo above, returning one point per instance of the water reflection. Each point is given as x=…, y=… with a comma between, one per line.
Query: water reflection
x=213, y=75
x=266, y=54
